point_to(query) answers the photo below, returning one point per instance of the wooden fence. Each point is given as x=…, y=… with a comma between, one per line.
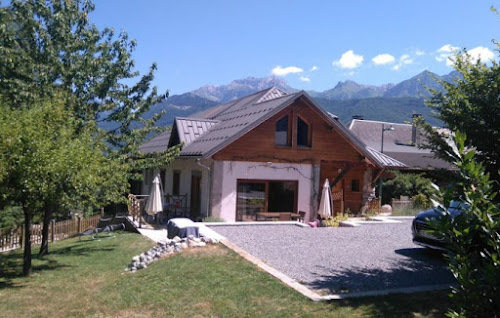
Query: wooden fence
x=13, y=238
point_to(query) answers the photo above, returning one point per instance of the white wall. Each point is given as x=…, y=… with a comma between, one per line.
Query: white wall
x=226, y=174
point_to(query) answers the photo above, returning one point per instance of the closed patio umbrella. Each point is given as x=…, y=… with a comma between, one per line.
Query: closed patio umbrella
x=155, y=200
x=326, y=205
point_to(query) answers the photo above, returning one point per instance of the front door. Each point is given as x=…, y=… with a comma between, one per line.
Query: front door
x=195, y=195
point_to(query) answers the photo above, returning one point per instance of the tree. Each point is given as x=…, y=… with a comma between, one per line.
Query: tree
x=49, y=48
x=49, y=165
x=470, y=103
x=474, y=254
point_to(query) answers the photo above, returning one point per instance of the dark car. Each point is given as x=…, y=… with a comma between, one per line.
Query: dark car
x=420, y=227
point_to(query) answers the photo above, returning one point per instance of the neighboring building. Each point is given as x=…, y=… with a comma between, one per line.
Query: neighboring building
x=400, y=143
x=269, y=151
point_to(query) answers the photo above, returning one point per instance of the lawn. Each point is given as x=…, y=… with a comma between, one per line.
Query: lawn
x=86, y=279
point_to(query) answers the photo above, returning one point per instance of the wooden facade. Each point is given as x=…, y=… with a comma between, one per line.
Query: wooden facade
x=337, y=157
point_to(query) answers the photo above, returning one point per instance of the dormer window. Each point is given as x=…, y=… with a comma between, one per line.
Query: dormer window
x=303, y=133
x=282, y=136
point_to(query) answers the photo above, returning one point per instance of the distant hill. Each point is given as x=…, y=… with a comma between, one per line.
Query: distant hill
x=389, y=102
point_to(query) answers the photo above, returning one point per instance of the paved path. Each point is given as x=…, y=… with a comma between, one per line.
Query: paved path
x=344, y=260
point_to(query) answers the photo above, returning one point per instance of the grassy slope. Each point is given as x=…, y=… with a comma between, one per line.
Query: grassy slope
x=85, y=279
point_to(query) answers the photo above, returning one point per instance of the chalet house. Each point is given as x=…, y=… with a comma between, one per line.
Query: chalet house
x=399, y=141
x=267, y=152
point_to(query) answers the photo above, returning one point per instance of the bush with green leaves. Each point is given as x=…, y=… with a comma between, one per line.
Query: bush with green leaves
x=213, y=219
x=334, y=221
x=421, y=201
x=407, y=184
x=474, y=253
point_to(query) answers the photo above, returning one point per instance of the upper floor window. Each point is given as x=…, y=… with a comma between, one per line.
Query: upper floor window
x=281, y=137
x=303, y=133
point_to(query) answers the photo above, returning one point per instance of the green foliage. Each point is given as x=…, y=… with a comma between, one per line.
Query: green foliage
x=10, y=217
x=474, y=255
x=407, y=184
x=421, y=201
x=470, y=104
x=213, y=219
x=334, y=221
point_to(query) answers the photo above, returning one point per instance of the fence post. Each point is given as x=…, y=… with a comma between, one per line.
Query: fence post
x=102, y=211
x=79, y=224
x=53, y=229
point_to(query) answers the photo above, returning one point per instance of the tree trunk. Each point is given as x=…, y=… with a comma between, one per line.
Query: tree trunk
x=27, y=242
x=47, y=215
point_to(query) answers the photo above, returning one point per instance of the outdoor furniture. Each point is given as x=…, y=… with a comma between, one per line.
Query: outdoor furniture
x=285, y=217
x=175, y=205
x=182, y=227
x=103, y=223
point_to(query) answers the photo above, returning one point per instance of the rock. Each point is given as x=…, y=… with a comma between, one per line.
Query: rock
x=176, y=239
x=196, y=239
x=135, y=258
x=184, y=245
x=386, y=209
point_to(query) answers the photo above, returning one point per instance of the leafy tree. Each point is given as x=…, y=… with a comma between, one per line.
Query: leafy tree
x=470, y=104
x=49, y=165
x=49, y=49
x=474, y=254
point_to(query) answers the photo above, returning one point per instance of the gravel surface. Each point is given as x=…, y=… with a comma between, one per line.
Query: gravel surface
x=343, y=260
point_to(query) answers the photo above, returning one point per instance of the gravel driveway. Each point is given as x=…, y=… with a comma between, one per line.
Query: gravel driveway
x=343, y=260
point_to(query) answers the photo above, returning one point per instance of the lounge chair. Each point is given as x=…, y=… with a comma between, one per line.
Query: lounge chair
x=116, y=224
x=103, y=223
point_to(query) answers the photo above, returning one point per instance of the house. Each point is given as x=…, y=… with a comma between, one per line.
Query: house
x=399, y=141
x=270, y=151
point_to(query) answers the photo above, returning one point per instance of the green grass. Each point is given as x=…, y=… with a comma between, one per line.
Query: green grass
x=407, y=211
x=85, y=279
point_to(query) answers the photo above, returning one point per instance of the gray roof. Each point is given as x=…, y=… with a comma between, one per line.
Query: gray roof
x=397, y=143
x=156, y=144
x=235, y=119
x=189, y=129
x=209, y=131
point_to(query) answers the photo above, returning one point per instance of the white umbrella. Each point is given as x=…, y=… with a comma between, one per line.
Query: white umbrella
x=155, y=200
x=325, y=205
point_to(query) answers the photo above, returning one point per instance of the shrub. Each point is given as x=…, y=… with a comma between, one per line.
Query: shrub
x=421, y=201
x=408, y=184
x=334, y=221
x=213, y=219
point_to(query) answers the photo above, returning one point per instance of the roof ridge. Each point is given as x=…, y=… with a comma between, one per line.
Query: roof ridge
x=197, y=119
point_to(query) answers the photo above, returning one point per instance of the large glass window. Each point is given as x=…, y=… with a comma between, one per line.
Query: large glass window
x=176, y=182
x=282, y=135
x=302, y=133
x=254, y=196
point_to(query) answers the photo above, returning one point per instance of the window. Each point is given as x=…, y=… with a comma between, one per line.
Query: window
x=254, y=196
x=355, y=185
x=302, y=133
x=176, y=182
x=282, y=136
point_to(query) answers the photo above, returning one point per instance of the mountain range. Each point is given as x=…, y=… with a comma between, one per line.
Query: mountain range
x=389, y=102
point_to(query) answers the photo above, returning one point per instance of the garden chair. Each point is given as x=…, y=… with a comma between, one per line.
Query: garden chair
x=302, y=216
x=103, y=223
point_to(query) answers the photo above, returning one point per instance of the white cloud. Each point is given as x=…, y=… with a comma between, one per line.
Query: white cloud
x=314, y=68
x=349, y=60
x=446, y=53
x=482, y=53
x=284, y=71
x=419, y=52
x=305, y=79
x=383, y=59
x=404, y=59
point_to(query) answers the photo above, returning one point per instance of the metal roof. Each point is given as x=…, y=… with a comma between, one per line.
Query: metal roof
x=235, y=119
x=384, y=160
x=189, y=129
x=156, y=144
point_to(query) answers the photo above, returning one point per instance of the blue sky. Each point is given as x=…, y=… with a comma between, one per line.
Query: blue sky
x=312, y=44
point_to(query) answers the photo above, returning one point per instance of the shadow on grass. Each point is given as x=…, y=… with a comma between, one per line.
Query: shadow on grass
x=429, y=304
x=11, y=263
x=417, y=268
